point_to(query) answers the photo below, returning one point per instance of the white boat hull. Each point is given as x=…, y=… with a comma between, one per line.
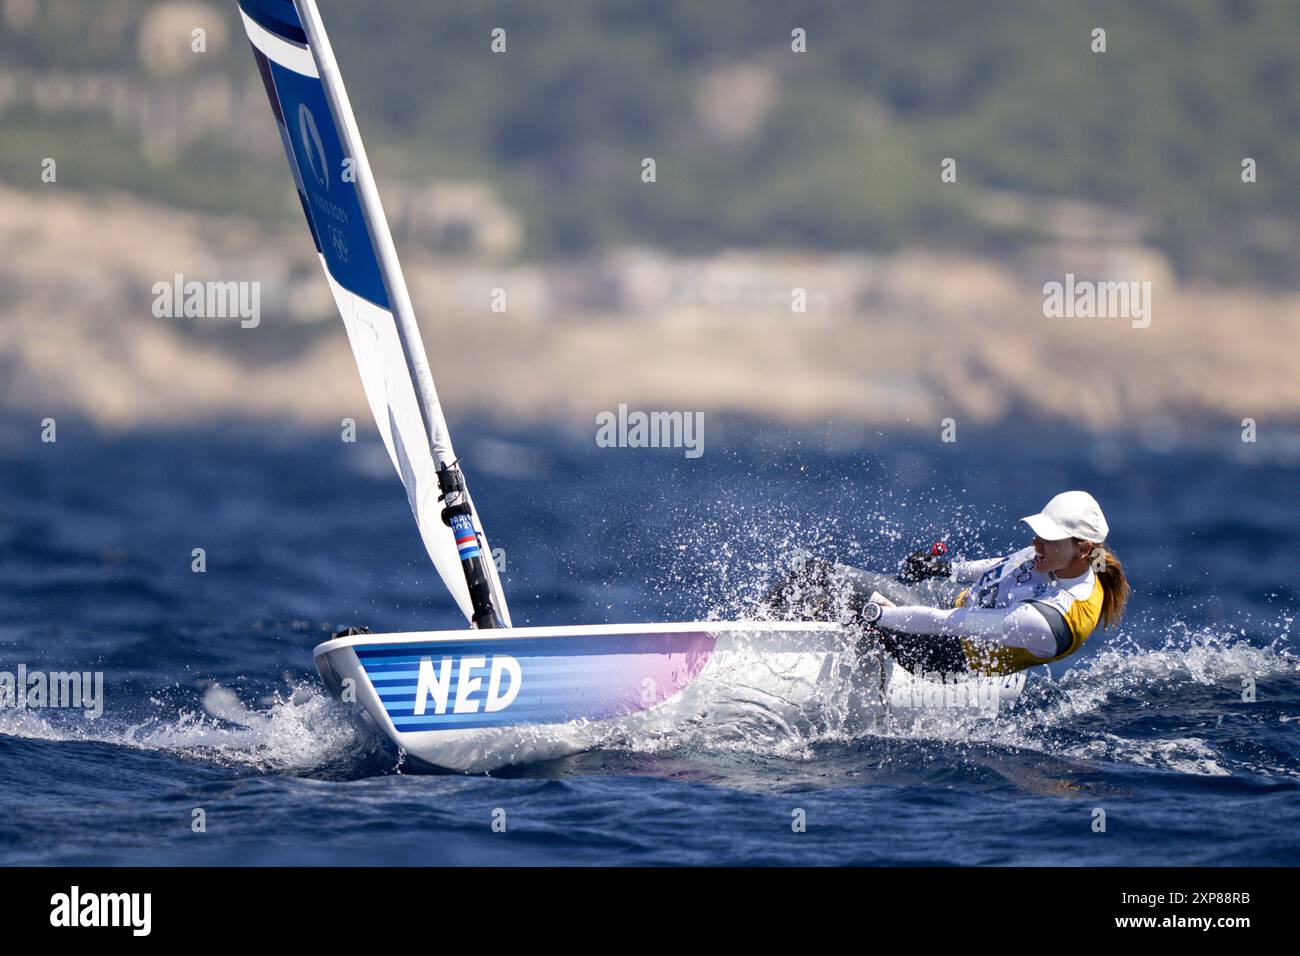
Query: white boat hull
x=477, y=700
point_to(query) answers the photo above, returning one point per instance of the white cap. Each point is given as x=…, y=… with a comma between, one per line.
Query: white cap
x=1071, y=514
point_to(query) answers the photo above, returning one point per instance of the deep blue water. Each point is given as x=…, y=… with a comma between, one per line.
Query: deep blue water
x=211, y=701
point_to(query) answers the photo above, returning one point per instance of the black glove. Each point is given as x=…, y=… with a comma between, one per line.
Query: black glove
x=931, y=562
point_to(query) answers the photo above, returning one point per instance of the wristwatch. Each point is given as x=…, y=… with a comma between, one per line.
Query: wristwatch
x=871, y=612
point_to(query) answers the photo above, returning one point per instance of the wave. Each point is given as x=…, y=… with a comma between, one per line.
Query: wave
x=1176, y=708
x=301, y=731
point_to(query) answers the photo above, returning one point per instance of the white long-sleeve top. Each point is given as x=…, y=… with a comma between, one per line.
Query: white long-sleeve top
x=1020, y=626
x=1009, y=603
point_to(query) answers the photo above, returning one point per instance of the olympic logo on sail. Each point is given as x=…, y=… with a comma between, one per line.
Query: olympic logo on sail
x=313, y=146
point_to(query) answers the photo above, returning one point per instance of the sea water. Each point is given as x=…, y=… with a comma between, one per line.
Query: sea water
x=1179, y=732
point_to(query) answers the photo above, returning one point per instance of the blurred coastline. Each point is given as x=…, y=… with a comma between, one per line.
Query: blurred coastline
x=901, y=340
x=780, y=171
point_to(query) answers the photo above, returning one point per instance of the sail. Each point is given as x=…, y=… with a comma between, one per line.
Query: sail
x=348, y=226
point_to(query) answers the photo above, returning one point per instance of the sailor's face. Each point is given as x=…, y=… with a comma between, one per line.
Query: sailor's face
x=1050, y=556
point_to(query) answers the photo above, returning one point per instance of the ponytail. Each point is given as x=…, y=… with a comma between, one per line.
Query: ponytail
x=1114, y=585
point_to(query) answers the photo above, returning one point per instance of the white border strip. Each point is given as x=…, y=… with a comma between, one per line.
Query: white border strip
x=279, y=50
x=715, y=628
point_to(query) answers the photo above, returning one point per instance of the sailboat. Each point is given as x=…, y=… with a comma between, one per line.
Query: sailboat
x=479, y=699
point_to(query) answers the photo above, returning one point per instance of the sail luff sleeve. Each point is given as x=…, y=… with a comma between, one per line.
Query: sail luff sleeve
x=381, y=237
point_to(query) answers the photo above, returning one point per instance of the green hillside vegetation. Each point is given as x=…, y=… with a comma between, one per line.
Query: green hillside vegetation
x=847, y=148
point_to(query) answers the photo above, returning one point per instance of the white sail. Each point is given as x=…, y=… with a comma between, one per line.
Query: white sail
x=342, y=205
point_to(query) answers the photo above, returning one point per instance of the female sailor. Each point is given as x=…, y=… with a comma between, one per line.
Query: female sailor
x=1034, y=606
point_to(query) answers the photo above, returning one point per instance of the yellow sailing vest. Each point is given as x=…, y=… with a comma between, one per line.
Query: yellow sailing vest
x=984, y=657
